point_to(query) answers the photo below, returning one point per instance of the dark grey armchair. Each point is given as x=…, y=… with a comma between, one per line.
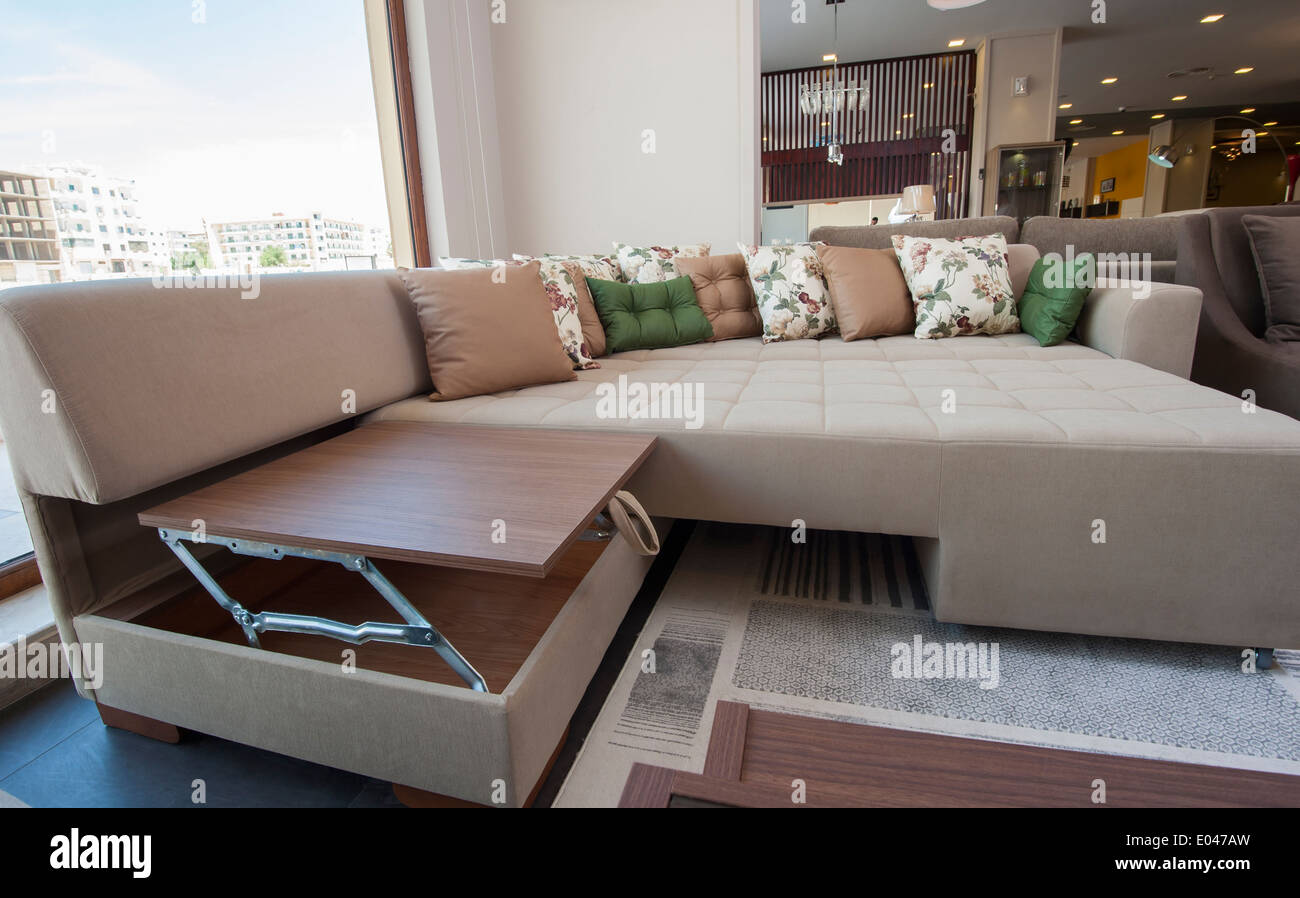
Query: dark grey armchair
x=1231, y=352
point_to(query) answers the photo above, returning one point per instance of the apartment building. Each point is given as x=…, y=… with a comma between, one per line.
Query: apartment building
x=29, y=248
x=101, y=229
x=312, y=241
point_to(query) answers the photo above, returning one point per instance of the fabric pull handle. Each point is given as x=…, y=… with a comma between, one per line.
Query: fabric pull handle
x=633, y=523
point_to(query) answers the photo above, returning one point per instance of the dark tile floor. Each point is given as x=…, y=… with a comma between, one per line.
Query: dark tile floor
x=55, y=752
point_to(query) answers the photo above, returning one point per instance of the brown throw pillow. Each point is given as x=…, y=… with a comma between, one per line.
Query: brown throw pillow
x=722, y=286
x=868, y=292
x=593, y=335
x=483, y=335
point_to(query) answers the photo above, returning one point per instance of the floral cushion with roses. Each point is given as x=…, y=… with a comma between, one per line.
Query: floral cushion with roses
x=790, y=291
x=958, y=287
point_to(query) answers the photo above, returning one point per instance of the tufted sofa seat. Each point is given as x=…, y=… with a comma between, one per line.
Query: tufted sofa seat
x=1003, y=484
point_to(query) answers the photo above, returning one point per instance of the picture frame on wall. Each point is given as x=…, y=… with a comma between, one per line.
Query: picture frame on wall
x=1108, y=185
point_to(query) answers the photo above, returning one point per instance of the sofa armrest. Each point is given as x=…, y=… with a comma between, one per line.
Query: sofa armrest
x=1154, y=324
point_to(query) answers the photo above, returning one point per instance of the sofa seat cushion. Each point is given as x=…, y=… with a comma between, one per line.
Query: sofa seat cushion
x=779, y=419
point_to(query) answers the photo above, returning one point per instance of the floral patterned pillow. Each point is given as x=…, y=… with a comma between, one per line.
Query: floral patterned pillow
x=593, y=266
x=651, y=264
x=790, y=289
x=958, y=286
x=563, y=294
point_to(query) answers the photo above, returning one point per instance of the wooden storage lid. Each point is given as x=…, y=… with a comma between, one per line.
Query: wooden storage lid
x=428, y=493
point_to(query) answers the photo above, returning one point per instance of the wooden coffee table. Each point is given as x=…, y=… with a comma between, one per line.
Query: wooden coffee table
x=755, y=757
x=508, y=501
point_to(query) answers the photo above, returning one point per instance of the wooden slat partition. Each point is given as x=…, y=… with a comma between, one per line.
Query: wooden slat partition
x=883, y=150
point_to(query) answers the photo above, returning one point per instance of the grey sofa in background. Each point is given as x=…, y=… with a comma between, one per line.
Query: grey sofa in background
x=1232, y=355
x=1156, y=238
x=877, y=236
x=1152, y=238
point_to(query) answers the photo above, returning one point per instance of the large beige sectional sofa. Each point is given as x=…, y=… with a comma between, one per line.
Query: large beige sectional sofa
x=1006, y=461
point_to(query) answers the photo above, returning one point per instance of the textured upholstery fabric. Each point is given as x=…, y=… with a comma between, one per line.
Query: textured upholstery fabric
x=593, y=334
x=1214, y=255
x=878, y=236
x=442, y=738
x=1158, y=330
x=649, y=315
x=1275, y=247
x=868, y=292
x=722, y=287
x=892, y=388
x=486, y=331
x=1156, y=236
x=854, y=436
x=1048, y=311
x=150, y=384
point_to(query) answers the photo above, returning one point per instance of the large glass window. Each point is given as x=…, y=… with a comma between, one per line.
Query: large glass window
x=199, y=119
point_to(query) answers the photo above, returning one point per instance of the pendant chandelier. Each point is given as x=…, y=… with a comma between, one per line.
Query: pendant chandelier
x=830, y=98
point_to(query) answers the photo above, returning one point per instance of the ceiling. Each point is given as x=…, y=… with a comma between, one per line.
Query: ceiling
x=1140, y=44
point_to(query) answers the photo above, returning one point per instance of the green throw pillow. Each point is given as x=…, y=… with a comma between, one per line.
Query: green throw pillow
x=1054, y=296
x=649, y=316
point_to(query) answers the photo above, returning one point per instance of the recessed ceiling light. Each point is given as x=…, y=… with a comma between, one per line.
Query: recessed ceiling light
x=1212, y=18
x=908, y=114
x=829, y=57
x=1066, y=106
x=1244, y=70
x=1076, y=143
x=1248, y=110
x=927, y=85
x=1076, y=121
x=1269, y=124
x=1158, y=115
x=898, y=132
x=1110, y=80
x=1117, y=133
x=1179, y=98
x=957, y=42
x=824, y=124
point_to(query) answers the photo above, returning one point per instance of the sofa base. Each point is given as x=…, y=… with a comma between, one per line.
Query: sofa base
x=138, y=724
x=391, y=712
x=420, y=798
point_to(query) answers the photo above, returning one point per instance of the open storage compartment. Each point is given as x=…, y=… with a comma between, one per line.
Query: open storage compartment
x=391, y=711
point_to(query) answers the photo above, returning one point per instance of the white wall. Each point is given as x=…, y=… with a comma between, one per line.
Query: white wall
x=1003, y=118
x=577, y=82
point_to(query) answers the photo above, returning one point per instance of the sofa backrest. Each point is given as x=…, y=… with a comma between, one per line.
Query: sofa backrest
x=1214, y=254
x=116, y=387
x=878, y=236
x=1157, y=236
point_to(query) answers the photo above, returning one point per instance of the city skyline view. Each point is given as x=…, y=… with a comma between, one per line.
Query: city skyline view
x=242, y=111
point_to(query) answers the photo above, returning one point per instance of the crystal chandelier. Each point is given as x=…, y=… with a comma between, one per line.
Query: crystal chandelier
x=831, y=97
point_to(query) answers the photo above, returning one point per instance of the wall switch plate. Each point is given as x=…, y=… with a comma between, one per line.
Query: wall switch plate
x=1020, y=88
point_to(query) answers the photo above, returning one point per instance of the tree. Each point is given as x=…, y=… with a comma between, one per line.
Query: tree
x=273, y=257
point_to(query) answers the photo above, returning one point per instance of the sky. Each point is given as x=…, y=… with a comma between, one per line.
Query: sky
x=218, y=109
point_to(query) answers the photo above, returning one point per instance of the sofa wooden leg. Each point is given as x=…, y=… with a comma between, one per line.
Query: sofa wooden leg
x=138, y=723
x=419, y=798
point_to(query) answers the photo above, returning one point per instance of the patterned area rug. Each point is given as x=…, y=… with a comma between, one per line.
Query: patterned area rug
x=813, y=628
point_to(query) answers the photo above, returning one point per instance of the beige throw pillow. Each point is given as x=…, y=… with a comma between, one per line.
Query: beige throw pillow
x=868, y=292
x=486, y=330
x=722, y=287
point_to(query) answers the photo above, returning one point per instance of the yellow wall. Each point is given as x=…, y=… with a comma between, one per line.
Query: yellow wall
x=1128, y=166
